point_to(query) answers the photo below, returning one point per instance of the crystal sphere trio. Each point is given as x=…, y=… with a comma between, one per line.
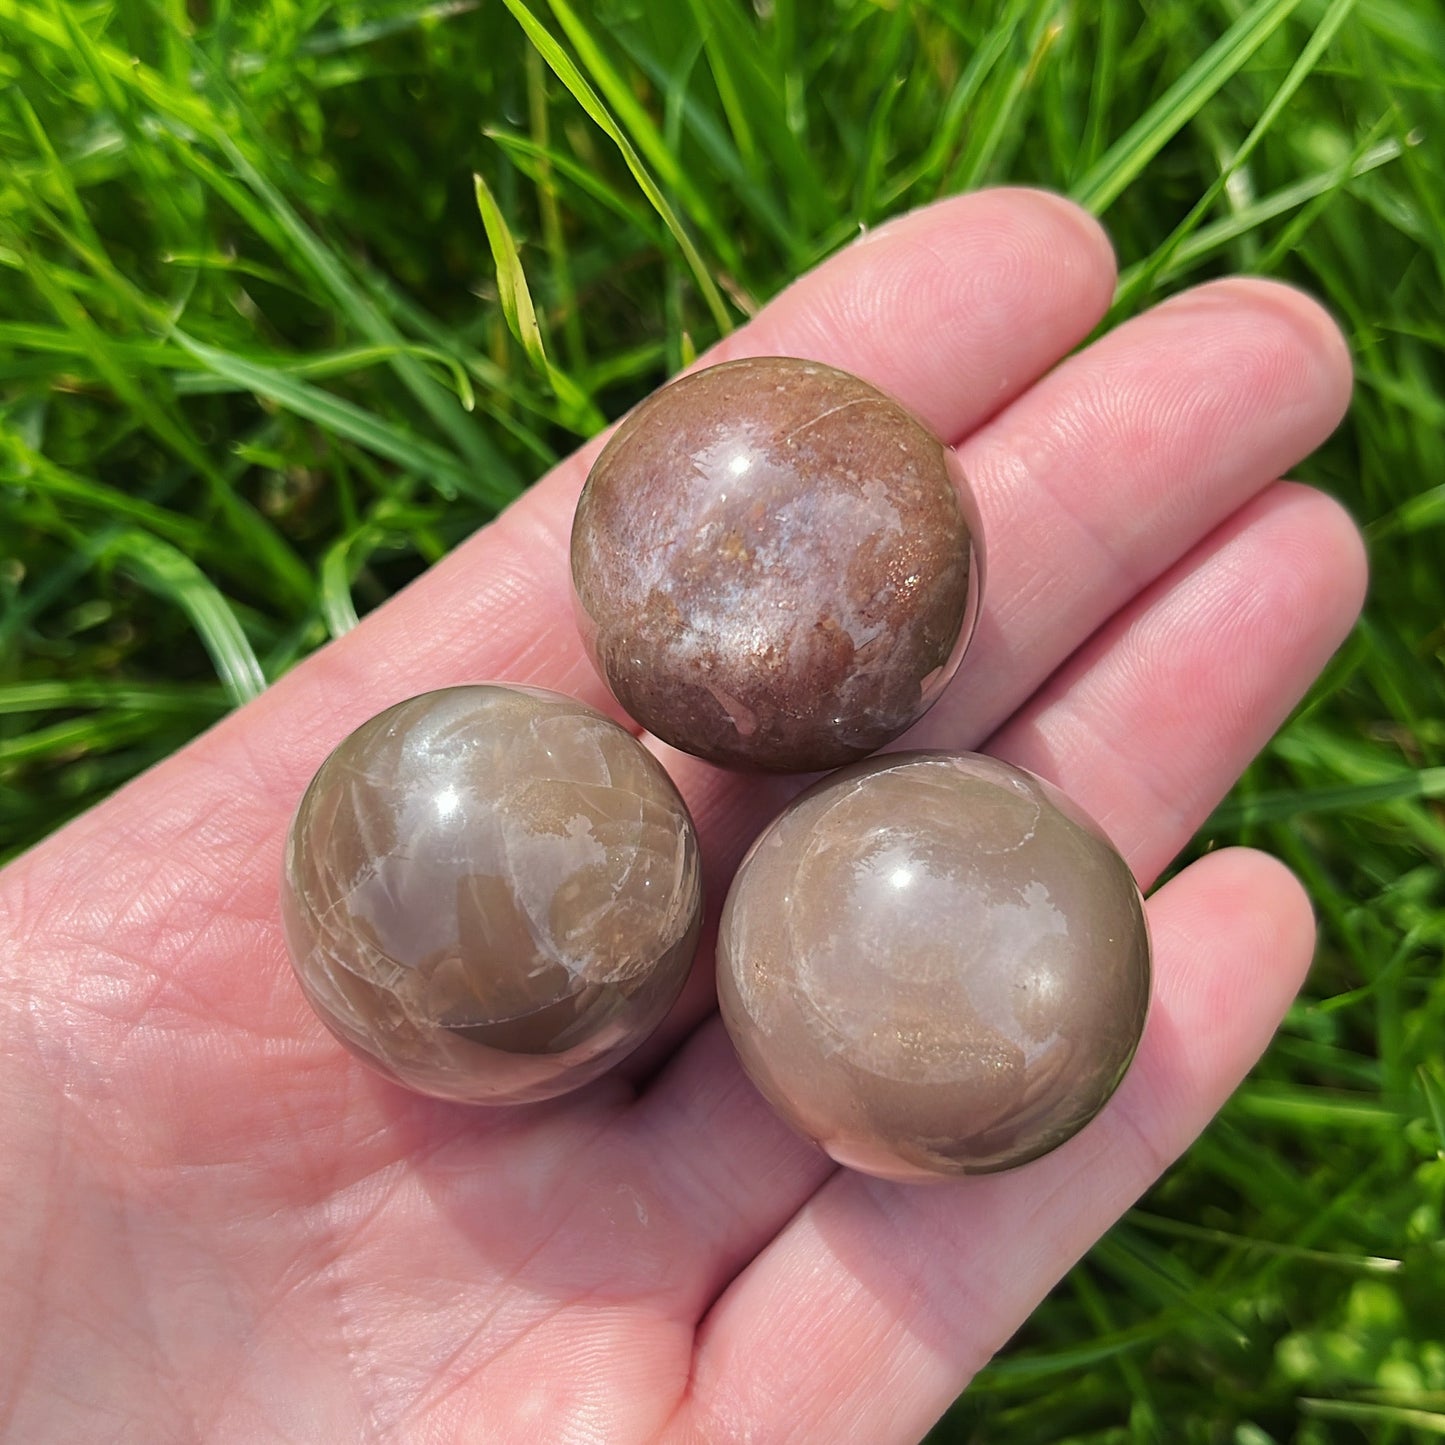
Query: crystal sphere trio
x=931, y=963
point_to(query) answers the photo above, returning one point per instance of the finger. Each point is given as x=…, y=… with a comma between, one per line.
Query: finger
x=1205, y=668
x=1107, y=474
x=930, y=306
x=1092, y=484
x=1146, y=730
x=890, y=1298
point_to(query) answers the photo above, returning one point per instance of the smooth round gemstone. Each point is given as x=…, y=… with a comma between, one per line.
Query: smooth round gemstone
x=491, y=893
x=775, y=565
x=934, y=964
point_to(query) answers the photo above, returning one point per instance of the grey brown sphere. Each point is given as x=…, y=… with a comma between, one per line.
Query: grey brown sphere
x=491, y=894
x=934, y=964
x=775, y=565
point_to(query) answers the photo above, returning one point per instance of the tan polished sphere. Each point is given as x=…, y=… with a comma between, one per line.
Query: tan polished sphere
x=491, y=894
x=775, y=565
x=934, y=964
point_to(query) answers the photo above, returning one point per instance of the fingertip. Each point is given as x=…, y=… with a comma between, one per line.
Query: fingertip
x=1250, y=916
x=999, y=251
x=1029, y=208
x=1303, y=323
x=1341, y=546
x=1320, y=571
x=954, y=308
x=1083, y=227
x=1239, y=870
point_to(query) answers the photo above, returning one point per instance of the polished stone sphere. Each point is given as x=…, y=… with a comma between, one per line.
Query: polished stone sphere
x=491, y=894
x=934, y=964
x=775, y=565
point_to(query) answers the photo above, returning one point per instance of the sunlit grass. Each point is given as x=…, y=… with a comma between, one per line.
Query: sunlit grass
x=267, y=349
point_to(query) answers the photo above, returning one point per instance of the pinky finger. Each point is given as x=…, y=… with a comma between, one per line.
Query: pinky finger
x=875, y=1306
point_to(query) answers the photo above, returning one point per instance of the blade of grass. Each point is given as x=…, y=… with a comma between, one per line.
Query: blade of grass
x=326, y=364
x=75, y=737
x=1271, y=807
x=1103, y=84
x=512, y=289
x=1309, y=57
x=1031, y=1366
x=169, y=573
x=337, y=607
x=353, y=37
x=549, y=210
x=27, y=697
x=1122, y=163
x=876, y=156
x=347, y=419
x=1290, y=235
x=1181, y=1229
x=1425, y=1421
x=521, y=315
x=1144, y=1413
x=1313, y=1109
x=632, y=118
x=525, y=148
x=723, y=61
x=30, y=468
x=1209, y=240
x=346, y=557
x=1434, y=1092
x=1145, y=1267
x=567, y=72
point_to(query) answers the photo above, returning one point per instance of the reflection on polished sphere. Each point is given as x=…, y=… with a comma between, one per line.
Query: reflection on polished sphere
x=934, y=964
x=491, y=893
x=775, y=565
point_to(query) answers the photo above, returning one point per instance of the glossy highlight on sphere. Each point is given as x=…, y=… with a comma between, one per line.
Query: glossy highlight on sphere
x=775, y=565
x=491, y=893
x=934, y=964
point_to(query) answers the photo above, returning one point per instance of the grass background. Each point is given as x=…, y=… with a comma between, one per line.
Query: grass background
x=263, y=357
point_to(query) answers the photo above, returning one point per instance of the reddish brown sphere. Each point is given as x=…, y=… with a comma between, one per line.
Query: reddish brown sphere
x=934, y=964
x=775, y=565
x=491, y=894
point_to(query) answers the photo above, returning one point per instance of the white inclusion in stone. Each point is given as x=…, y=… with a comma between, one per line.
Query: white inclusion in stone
x=538, y=865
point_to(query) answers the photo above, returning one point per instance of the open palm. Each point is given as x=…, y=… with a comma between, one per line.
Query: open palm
x=220, y=1227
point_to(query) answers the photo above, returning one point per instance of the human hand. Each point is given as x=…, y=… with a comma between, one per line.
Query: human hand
x=221, y=1227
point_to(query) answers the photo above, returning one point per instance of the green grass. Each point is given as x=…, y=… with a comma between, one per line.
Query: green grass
x=261, y=361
